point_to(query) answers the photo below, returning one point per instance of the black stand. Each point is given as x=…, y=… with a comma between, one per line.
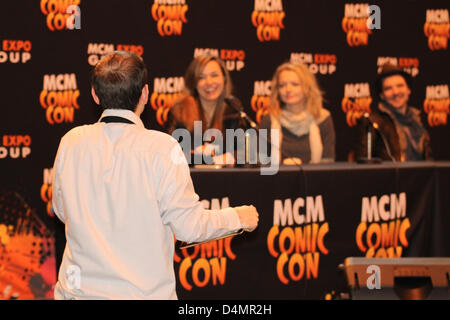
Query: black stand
x=369, y=158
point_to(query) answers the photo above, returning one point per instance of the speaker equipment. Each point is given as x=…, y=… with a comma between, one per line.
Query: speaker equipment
x=398, y=278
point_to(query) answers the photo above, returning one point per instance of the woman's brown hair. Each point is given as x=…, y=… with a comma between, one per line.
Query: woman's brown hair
x=188, y=108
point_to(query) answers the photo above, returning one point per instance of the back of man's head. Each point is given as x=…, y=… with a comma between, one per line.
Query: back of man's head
x=118, y=80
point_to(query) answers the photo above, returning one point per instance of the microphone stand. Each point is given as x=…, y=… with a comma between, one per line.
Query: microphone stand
x=370, y=158
x=233, y=102
x=236, y=105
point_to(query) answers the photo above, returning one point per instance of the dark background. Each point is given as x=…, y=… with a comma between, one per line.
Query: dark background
x=311, y=26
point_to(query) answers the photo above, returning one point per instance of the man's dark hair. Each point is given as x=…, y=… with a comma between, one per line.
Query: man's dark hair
x=388, y=70
x=118, y=80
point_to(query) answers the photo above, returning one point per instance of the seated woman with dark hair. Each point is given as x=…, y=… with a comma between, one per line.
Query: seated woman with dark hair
x=306, y=130
x=206, y=98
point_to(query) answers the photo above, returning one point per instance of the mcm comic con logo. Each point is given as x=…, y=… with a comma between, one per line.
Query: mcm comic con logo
x=205, y=264
x=62, y=14
x=297, y=237
x=267, y=17
x=170, y=15
x=59, y=97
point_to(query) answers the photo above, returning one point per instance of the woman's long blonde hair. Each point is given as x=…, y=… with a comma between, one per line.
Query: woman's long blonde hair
x=313, y=94
x=188, y=107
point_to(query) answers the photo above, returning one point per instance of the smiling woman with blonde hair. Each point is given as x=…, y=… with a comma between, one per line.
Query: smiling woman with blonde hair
x=306, y=130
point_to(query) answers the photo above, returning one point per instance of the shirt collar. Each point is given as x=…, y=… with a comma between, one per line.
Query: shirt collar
x=127, y=114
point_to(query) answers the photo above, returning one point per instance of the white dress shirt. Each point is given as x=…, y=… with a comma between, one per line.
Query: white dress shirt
x=123, y=193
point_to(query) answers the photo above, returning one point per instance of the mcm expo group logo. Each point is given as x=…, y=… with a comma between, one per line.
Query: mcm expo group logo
x=317, y=63
x=234, y=59
x=407, y=64
x=97, y=51
x=15, y=51
x=15, y=146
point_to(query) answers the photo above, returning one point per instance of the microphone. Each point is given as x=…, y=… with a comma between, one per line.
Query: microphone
x=375, y=125
x=237, y=105
x=250, y=155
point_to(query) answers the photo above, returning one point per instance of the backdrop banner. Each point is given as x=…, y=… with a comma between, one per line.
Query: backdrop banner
x=49, y=47
x=311, y=219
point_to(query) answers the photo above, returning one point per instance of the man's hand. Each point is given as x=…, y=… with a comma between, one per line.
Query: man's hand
x=292, y=161
x=207, y=149
x=224, y=159
x=248, y=216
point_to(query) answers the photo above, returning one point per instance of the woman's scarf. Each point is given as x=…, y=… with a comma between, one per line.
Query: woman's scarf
x=300, y=124
x=409, y=129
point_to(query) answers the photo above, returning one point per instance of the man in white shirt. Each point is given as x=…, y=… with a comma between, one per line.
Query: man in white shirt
x=124, y=192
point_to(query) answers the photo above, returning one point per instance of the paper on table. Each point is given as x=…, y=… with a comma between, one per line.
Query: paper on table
x=185, y=245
